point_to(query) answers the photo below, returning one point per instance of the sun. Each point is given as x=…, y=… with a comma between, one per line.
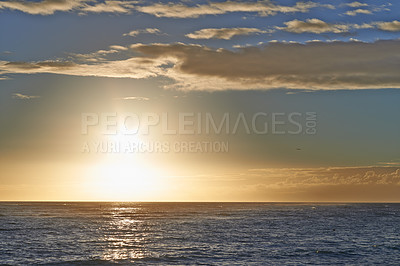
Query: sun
x=125, y=179
x=126, y=176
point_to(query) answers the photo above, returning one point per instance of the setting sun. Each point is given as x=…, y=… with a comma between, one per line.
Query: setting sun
x=124, y=178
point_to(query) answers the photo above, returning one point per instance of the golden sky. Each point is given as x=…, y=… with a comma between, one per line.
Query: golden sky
x=206, y=101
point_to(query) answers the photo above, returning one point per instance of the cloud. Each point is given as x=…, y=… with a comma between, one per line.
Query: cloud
x=313, y=65
x=136, y=68
x=318, y=26
x=378, y=175
x=135, y=98
x=137, y=32
x=323, y=184
x=391, y=163
x=174, y=10
x=49, y=7
x=99, y=55
x=24, y=97
x=313, y=25
x=358, y=11
x=356, y=4
x=316, y=65
x=45, y=7
x=305, y=184
x=118, y=47
x=363, y=26
x=109, y=6
x=389, y=26
x=222, y=33
x=263, y=8
x=32, y=66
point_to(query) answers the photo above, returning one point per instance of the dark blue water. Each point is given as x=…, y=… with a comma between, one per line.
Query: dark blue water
x=199, y=233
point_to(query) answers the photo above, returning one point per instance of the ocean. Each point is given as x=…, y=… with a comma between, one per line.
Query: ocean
x=69, y=233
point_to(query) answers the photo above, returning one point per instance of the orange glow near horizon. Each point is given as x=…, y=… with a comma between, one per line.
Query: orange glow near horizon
x=123, y=179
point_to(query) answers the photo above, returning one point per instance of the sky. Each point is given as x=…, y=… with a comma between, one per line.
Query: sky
x=232, y=100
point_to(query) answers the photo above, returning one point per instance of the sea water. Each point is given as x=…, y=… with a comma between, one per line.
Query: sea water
x=99, y=233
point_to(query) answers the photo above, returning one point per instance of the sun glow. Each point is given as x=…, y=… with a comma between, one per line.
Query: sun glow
x=125, y=177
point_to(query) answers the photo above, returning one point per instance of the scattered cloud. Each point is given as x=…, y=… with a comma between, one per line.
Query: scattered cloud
x=363, y=26
x=99, y=55
x=222, y=33
x=392, y=163
x=118, y=47
x=26, y=66
x=313, y=25
x=337, y=184
x=316, y=65
x=313, y=65
x=379, y=175
x=24, y=97
x=331, y=184
x=318, y=26
x=356, y=4
x=109, y=6
x=389, y=26
x=172, y=10
x=263, y=8
x=135, y=68
x=135, y=98
x=358, y=11
x=45, y=7
x=49, y=7
x=361, y=8
x=137, y=32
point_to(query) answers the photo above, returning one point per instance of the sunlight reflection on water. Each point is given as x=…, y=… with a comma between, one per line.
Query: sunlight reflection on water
x=199, y=233
x=125, y=241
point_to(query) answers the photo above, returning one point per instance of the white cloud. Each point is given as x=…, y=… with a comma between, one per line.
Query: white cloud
x=391, y=163
x=118, y=47
x=45, y=7
x=363, y=26
x=356, y=4
x=49, y=7
x=222, y=33
x=263, y=8
x=99, y=55
x=314, y=65
x=135, y=98
x=332, y=176
x=313, y=25
x=137, y=32
x=358, y=11
x=175, y=10
x=318, y=26
x=389, y=26
x=135, y=68
x=109, y=6
x=24, y=97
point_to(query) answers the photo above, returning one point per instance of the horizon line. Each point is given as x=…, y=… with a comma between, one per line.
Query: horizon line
x=129, y=201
